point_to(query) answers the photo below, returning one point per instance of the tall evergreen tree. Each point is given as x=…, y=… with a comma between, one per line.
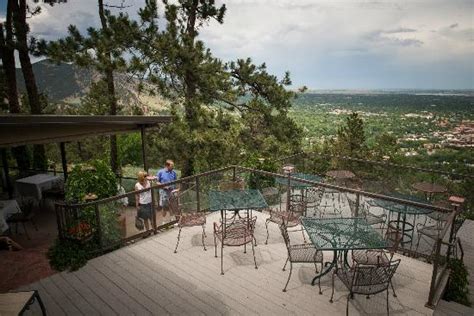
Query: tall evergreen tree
x=181, y=66
x=7, y=49
x=21, y=28
x=101, y=49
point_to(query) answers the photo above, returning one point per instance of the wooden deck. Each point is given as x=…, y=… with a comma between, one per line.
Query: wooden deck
x=148, y=278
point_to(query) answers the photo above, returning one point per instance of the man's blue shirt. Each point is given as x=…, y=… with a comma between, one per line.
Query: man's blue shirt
x=165, y=176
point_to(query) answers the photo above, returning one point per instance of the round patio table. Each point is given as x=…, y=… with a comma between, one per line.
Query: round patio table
x=295, y=184
x=429, y=189
x=402, y=211
x=340, y=174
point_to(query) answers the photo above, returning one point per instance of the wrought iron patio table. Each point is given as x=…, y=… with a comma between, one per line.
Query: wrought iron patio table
x=402, y=211
x=429, y=189
x=341, y=235
x=283, y=180
x=236, y=200
x=298, y=185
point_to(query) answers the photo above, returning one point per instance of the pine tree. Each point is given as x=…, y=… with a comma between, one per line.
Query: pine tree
x=101, y=49
x=180, y=66
x=7, y=46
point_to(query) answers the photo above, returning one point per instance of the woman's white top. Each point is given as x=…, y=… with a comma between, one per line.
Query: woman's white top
x=144, y=197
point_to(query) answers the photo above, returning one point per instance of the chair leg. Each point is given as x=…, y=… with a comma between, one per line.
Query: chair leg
x=289, y=277
x=393, y=289
x=253, y=252
x=222, y=258
x=40, y=302
x=304, y=237
x=287, y=258
x=388, y=309
x=319, y=281
x=26, y=231
x=332, y=293
x=215, y=245
x=316, y=267
x=266, y=226
x=203, y=236
x=347, y=304
x=177, y=242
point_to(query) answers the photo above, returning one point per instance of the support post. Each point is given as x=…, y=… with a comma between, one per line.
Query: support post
x=288, y=192
x=6, y=173
x=198, y=195
x=62, y=147
x=234, y=176
x=143, y=136
x=434, y=276
x=153, y=215
x=356, y=211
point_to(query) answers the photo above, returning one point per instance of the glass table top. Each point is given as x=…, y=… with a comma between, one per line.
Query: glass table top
x=234, y=200
x=296, y=184
x=342, y=233
x=402, y=208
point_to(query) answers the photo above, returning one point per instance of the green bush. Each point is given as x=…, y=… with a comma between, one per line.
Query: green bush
x=97, y=178
x=457, y=289
x=68, y=255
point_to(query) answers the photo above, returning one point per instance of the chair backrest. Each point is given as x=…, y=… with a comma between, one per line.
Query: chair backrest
x=314, y=196
x=394, y=237
x=284, y=233
x=173, y=202
x=374, y=279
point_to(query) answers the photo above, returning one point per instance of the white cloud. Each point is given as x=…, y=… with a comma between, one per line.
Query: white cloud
x=327, y=43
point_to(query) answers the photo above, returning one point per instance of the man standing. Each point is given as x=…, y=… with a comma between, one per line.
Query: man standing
x=165, y=175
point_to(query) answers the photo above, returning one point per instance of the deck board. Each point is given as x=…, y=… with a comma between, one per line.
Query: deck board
x=148, y=278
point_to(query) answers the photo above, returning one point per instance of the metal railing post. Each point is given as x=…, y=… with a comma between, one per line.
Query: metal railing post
x=288, y=193
x=434, y=276
x=153, y=208
x=99, y=228
x=198, y=195
x=356, y=211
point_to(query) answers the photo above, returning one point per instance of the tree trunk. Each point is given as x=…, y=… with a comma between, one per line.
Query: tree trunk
x=109, y=78
x=21, y=32
x=8, y=60
x=191, y=108
x=21, y=29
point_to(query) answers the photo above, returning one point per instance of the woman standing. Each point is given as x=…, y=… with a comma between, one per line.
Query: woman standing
x=143, y=200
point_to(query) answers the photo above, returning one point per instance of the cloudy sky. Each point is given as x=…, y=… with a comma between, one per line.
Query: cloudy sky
x=327, y=44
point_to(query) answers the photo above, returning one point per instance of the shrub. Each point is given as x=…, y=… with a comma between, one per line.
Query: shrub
x=68, y=255
x=457, y=289
x=97, y=178
x=82, y=239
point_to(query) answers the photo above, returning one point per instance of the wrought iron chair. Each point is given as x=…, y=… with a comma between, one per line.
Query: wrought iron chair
x=27, y=215
x=366, y=280
x=300, y=253
x=291, y=218
x=364, y=211
x=186, y=219
x=331, y=205
x=313, y=199
x=239, y=232
x=433, y=226
x=376, y=257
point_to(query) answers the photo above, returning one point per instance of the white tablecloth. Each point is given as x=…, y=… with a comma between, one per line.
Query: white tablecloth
x=35, y=185
x=7, y=208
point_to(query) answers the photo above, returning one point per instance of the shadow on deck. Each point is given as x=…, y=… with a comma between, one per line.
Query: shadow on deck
x=148, y=278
